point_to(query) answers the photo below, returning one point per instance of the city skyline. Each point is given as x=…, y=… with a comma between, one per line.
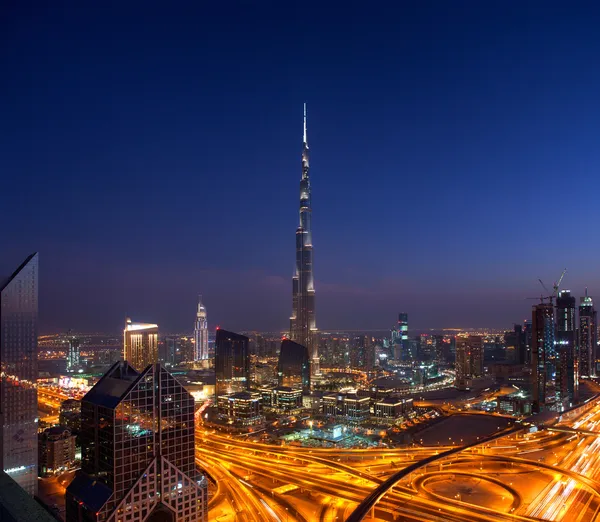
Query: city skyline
x=444, y=130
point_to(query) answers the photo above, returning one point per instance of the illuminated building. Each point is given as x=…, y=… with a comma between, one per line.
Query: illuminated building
x=138, y=456
x=141, y=344
x=400, y=338
x=18, y=358
x=241, y=408
x=390, y=408
x=294, y=366
x=347, y=405
x=57, y=449
x=200, y=333
x=587, y=336
x=542, y=352
x=232, y=363
x=303, y=327
x=72, y=353
x=567, y=374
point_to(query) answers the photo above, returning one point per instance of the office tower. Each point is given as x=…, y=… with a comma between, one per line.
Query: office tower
x=293, y=369
x=138, y=461
x=232, y=363
x=201, y=333
x=303, y=326
x=18, y=359
x=72, y=353
x=587, y=336
x=567, y=375
x=476, y=348
x=141, y=344
x=542, y=352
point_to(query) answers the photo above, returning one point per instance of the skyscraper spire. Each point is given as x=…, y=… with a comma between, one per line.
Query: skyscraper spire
x=303, y=328
x=305, y=141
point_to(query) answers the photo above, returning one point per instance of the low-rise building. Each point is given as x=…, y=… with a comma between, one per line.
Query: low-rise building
x=350, y=406
x=56, y=450
x=241, y=409
x=390, y=408
x=70, y=415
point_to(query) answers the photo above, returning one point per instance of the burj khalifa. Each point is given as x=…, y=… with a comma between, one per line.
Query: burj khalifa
x=303, y=327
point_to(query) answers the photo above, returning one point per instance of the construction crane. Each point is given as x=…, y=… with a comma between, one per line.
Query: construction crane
x=554, y=293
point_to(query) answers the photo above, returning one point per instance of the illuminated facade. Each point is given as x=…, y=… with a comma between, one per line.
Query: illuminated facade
x=587, y=336
x=232, y=363
x=469, y=360
x=303, y=328
x=542, y=352
x=567, y=371
x=141, y=344
x=294, y=366
x=72, y=353
x=18, y=358
x=138, y=461
x=201, y=333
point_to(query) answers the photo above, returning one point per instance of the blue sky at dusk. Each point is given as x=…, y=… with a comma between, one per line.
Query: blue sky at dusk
x=152, y=152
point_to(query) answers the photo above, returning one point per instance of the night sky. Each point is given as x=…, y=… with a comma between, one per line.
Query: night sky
x=153, y=153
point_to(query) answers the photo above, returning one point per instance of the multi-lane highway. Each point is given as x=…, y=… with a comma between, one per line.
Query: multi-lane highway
x=550, y=475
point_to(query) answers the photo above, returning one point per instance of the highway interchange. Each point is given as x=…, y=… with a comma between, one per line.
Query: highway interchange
x=551, y=474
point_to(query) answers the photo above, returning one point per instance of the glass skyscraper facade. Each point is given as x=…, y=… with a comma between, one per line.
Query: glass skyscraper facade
x=587, y=336
x=138, y=458
x=293, y=369
x=567, y=370
x=18, y=359
x=542, y=352
x=232, y=363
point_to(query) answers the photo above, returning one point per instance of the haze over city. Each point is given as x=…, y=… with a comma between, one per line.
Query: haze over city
x=453, y=160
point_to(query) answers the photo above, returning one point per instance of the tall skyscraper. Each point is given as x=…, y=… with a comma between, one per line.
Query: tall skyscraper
x=469, y=360
x=73, y=353
x=138, y=456
x=293, y=369
x=567, y=371
x=303, y=328
x=232, y=363
x=201, y=333
x=18, y=360
x=140, y=344
x=587, y=336
x=462, y=365
x=542, y=352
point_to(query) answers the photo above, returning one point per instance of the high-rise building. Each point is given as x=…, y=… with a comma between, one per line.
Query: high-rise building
x=587, y=336
x=138, y=460
x=542, y=352
x=140, y=344
x=201, y=333
x=567, y=368
x=400, y=337
x=293, y=369
x=469, y=360
x=73, y=353
x=18, y=359
x=56, y=450
x=303, y=327
x=232, y=363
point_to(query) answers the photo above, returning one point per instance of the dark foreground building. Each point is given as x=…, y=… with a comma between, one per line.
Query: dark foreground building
x=232, y=363
x=294, y=366
x=138, y=461
x=18, y=359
